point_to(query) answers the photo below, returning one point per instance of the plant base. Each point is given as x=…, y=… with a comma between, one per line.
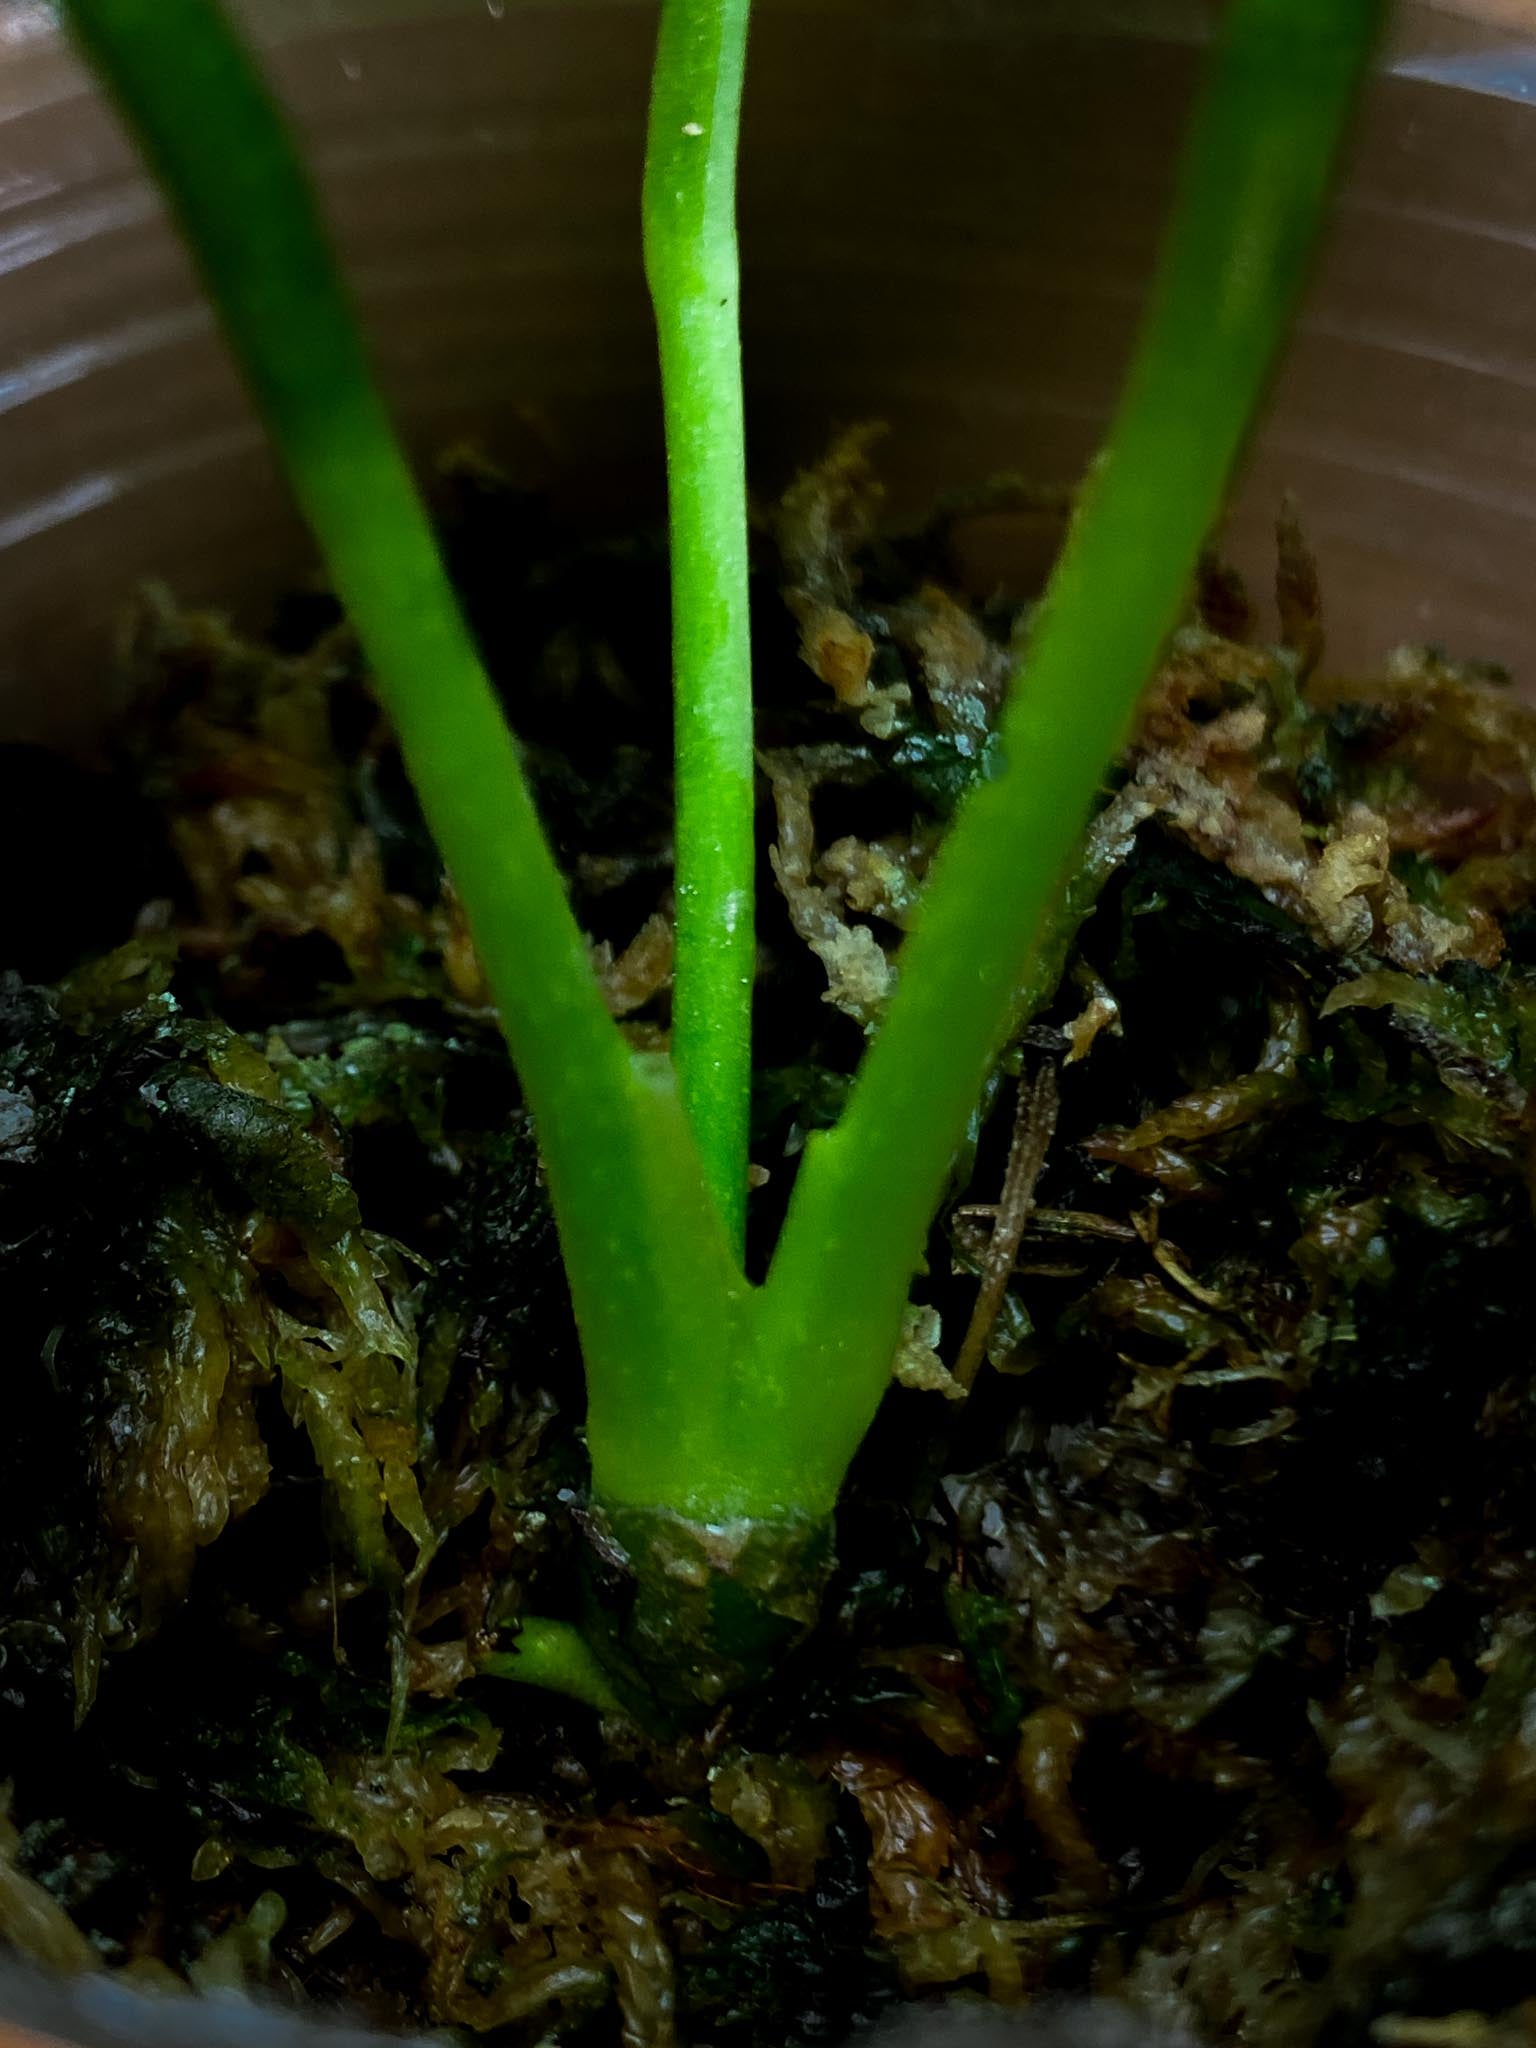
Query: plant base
x=703, y=1610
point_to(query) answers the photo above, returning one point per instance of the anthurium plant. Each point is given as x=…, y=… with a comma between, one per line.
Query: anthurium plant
x=724, y=1406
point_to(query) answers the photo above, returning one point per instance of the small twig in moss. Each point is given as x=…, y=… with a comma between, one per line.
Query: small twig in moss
x=1034, y=1127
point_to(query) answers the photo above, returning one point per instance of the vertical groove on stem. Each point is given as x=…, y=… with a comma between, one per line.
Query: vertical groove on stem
x=694, y=274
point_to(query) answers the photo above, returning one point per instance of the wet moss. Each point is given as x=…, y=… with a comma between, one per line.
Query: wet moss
x=1185, y=1658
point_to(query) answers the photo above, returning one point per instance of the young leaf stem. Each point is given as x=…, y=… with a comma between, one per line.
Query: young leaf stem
x=654, y=1280
x=1252, y=196
x=692, y=266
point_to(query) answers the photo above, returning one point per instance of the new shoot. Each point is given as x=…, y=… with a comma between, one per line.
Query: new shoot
x=723, y=1414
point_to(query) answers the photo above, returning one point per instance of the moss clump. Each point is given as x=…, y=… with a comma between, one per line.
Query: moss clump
x=1184, y=1658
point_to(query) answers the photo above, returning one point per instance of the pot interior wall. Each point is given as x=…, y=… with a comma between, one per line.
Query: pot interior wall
x=949, y=212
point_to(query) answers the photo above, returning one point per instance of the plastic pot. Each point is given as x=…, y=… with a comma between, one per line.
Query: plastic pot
x=949, y=213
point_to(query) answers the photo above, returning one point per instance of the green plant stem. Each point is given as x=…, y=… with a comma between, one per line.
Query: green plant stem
x=656, y=1286
x=708, y=1398
x=556, y=1657
x=1252, y=196
x=694, y=274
